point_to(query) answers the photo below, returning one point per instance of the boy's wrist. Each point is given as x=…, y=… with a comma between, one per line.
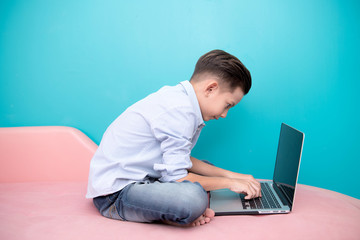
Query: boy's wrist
x=228, y=182
x=221, y=183
x=237, y=175
x=230, y=174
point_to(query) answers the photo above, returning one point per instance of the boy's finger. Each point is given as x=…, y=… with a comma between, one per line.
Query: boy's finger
x=257, y=189
x=249, y=193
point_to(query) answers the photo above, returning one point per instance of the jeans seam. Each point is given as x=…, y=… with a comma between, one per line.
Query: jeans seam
x=110, y=208
x=113, y=206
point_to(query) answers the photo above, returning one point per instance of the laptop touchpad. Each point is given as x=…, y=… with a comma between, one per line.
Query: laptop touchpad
x=225, y=200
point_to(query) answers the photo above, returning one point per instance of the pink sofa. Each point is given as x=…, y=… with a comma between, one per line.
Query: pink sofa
x=43, y=178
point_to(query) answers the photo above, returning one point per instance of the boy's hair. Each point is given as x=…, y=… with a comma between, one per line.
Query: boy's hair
x=226, y=67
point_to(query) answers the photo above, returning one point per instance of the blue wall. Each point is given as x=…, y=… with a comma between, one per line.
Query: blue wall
x=81, y=63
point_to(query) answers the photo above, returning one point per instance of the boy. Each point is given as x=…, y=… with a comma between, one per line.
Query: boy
x=143, y=171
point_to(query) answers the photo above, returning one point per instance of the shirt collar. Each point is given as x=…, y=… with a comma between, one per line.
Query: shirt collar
x=191, y=93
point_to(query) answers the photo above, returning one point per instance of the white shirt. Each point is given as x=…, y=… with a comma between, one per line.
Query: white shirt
x=152, y=139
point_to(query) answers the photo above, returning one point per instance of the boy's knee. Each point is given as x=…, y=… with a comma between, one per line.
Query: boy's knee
x=193, y=201
x=197, y=192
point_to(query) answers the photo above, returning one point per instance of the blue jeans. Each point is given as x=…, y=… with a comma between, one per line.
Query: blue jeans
x=151, y=201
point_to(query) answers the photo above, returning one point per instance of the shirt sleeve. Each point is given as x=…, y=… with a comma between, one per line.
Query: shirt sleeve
x=174, y=130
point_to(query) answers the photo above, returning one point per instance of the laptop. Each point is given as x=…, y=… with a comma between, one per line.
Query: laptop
x=277, y=195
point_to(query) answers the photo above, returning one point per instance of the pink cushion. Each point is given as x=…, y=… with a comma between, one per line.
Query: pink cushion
x=43, y=197
x=51, y=210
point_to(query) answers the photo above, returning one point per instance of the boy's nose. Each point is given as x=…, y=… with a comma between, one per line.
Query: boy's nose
x=223, y=115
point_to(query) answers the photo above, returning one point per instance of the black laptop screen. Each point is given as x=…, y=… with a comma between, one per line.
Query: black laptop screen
x=288, y=160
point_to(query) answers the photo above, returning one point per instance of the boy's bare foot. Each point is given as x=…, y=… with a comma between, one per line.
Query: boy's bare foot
x=203, y=219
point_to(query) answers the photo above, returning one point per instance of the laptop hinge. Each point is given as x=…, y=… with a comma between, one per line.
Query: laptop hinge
x=284, y=199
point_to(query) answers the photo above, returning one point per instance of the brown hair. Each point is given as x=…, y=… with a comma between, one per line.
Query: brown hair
x=226, y=67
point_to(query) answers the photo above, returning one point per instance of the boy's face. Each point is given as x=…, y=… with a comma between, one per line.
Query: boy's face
x=216, y=101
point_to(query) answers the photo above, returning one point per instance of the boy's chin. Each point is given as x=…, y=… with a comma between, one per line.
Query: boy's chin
x=209, y=118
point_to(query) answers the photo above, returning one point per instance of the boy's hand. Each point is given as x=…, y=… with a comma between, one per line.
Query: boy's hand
x=250, y=187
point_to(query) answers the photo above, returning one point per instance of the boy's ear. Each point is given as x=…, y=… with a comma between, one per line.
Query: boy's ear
x=211, y=88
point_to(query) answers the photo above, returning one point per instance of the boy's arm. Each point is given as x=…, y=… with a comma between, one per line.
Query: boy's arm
x=250, y=188
x=202, y=168
x=212, y=178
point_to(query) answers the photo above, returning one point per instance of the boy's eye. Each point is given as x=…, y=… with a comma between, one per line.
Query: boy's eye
x=228, y=106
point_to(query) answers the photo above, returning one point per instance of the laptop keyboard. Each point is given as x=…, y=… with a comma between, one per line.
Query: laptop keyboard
x=267, y=200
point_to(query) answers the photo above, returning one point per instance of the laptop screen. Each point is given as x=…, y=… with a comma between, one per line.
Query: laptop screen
x=288, y=160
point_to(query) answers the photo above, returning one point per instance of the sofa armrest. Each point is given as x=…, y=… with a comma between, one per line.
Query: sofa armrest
x=51, y=153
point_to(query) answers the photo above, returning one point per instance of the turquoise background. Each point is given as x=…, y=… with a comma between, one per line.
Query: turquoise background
x=81, y=63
